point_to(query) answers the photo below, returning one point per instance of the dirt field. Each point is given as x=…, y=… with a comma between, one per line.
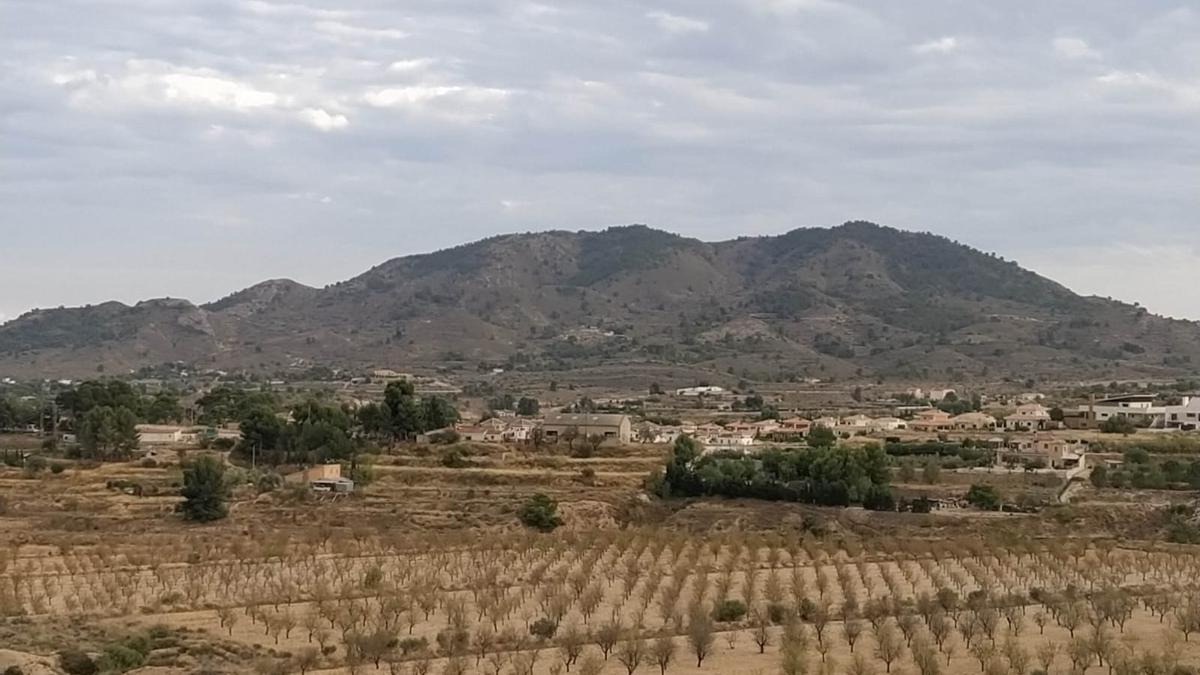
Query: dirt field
x=432, y=560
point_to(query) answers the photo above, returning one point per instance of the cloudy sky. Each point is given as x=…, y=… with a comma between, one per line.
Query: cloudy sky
x=190, y=148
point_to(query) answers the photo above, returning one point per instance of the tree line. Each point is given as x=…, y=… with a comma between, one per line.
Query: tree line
x=315, y=432
x=830, y=476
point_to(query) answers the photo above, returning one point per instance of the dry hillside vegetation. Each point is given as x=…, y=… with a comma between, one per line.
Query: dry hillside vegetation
x=857, y=300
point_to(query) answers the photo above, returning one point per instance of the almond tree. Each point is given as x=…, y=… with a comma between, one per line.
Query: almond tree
x=606, y=637
x=888, y=647
x=662, y=653
x=700, y=634
x=762, y=630
x=570, y=645
x=926, y=658
x=1045, y=655
x=631, y=654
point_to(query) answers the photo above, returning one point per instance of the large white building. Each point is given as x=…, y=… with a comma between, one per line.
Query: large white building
x=1185, y=416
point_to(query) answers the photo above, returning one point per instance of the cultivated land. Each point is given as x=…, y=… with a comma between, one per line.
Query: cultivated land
x=435, y=553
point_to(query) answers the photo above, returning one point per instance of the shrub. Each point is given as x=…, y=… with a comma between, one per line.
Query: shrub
x=543, y=629
x=729, y=610
x=541, y=513
x=983, y=497
x=75, y=662
x=14, y=670
x=1117, y=425
x=120, y=658
x=878, y=498
x=57, y=468
x=454, y=458
x=778, y=613
x=413, y=645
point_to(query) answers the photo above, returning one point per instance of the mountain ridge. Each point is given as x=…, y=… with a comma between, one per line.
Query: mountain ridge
x=858, y=299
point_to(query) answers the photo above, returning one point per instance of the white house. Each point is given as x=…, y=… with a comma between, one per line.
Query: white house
x=1185, y=416
x=1135, y=407
x=1028, y=417
x=700, y=391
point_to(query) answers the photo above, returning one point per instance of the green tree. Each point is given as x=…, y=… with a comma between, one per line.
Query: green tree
x=262, y=431
x=821, y=436
x=108, y=433
x=438, y=413
x=983, y=497
x=204, y=490
x=931, y=473
x=163, y=408
x=404, y=411
x=541, y=513
x=228, y=404
x=89, y=394
x=528, y=407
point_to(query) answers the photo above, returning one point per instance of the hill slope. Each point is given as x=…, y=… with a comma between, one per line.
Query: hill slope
x=858, y=299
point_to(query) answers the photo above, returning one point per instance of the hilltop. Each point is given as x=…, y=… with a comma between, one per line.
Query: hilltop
x=855, y=300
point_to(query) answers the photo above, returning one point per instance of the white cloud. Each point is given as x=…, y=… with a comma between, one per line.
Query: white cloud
x=323, y=120
x=674, y=23
x=342, y=29
x=825, y=108
x=148, y=82
x=411, y=65
x=463, y=103
x=1074, y=48
x=942, y=45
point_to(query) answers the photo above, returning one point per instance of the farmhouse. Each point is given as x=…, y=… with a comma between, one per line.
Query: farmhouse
x=1056, y=453
x=1029, y=417
x=163, y=434
x=1185, y=416
x=973, y=421
x=609, y=427
x=931, y=420
x=1137, y=408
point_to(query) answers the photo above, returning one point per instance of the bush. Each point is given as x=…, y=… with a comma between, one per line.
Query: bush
x=14, y=670
x=778, y=613
x=543, y=629
x=728, y=611
x=57, y=468
x=454, y=458
x=1117, y=425
x=878, y=498
x=119, y=658
x=541, y=513
x=75, y=662
x=984, y=497
x=413, y=645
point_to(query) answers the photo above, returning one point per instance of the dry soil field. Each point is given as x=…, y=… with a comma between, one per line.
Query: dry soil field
x=428, y=572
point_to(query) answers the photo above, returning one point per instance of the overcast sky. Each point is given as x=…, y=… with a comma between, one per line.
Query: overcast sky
x=186, y=148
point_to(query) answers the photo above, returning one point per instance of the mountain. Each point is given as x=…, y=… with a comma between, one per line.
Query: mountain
x=859, y=300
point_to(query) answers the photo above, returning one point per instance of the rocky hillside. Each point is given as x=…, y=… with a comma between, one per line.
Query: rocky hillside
x=855, y=300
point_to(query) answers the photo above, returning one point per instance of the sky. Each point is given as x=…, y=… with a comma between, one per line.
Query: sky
x=191, y=148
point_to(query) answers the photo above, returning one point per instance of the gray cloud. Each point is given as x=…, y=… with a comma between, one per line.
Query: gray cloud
x=191, y=148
